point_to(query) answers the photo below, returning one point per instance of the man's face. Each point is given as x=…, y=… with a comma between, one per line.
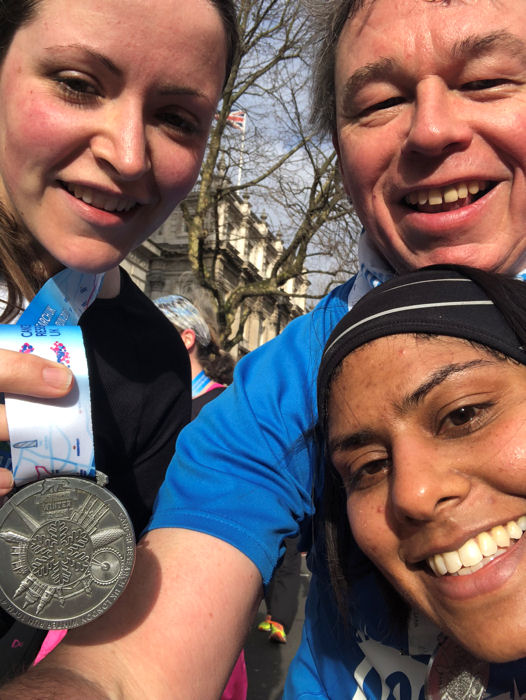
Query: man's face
x=431, y=129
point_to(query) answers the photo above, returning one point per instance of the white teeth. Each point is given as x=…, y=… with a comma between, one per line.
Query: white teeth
x=440, y=564
x=452, y=562
x=450, y=195
x=434, y=197
x=478, y=551
x=500, y=536
x=445, y=195
x=462, y=191
x=99, y=200
x=513, y=530
x=487, y=544
x=470, y=553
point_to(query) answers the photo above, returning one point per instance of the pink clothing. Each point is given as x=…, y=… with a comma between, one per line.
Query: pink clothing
x=237, y=686
x=52, y=638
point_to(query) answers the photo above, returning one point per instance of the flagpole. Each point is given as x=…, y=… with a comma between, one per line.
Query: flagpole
x=242, y=151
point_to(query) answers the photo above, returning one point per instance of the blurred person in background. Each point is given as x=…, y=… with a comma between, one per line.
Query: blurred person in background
x=211, y=367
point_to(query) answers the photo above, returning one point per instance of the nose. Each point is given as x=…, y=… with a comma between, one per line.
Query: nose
x=120, y=143
x=437, y=124
x=426, y=480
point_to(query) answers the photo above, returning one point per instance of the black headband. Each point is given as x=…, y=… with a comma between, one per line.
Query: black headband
x=442, y=300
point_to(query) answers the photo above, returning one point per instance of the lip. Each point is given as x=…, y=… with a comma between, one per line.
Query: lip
x=415, y=558
x=403, y=192
x=484, y=581
x=446, y=222
x=95, y=215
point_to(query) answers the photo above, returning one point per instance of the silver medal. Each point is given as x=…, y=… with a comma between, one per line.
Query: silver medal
x=67, y=549
x=455, y=674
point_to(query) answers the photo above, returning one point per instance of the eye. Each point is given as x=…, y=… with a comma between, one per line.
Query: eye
x=486, y=84
x=382, y=106
x=364, y=476
x=463, y=415
x=465, y=419
x=177, y=122
x=76, y=87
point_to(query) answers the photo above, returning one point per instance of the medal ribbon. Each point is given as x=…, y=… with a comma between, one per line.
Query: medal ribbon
x=52, y=436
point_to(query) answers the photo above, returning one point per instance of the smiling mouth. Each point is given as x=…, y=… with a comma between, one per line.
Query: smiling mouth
x=447, y=198
x=99, y=200
x=478, y=551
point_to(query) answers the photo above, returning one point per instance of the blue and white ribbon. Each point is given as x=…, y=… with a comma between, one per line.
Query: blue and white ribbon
x=49, y=437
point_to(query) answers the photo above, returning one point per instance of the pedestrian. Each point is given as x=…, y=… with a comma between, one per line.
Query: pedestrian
x=211, y=367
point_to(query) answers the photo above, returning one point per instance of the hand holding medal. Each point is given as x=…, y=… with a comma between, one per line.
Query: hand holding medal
x=66, y=542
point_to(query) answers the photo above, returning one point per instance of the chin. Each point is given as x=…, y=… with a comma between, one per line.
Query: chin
x=496, y=651
x=91, y=264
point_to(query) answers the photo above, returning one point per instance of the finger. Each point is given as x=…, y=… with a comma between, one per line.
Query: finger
x=4, y=430
x=30, y=375
x=6, y=482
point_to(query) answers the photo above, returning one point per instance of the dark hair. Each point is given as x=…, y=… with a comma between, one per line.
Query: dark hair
x=217, y=364
x=345, y=562
x=228, y=14
x=13, y=14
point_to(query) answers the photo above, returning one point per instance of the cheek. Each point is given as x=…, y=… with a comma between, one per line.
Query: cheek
x=32, y=135
x=368, y=523
x=501, y=460
x=176, y=171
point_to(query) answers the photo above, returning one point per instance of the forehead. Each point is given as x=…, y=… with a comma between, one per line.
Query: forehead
x=429, y=29
x=412, y=359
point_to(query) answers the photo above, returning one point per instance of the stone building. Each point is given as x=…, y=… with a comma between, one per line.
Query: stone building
x=248, y=249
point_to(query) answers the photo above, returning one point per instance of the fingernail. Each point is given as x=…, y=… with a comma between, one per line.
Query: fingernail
x=58, y=377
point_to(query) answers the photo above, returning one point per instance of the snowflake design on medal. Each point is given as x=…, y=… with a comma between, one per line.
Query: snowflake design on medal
x=59, y=553
x=64, y=558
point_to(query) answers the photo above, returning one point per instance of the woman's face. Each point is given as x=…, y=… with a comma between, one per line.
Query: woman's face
x=431, y=447
x=105, y=108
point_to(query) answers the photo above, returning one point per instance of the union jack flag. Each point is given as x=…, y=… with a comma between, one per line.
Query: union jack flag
x=237, y=119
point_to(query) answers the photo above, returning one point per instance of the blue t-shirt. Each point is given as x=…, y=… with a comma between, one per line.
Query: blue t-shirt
x=245, y=472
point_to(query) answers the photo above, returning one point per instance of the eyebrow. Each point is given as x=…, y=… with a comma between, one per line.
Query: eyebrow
x=101, y=58
x=437, y=378
x=470, y=47
x=341, y=443
x=365, y=437
x=165, y=89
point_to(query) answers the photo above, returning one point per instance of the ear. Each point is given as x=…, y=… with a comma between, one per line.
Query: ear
x=336, y=144
x=188, y=337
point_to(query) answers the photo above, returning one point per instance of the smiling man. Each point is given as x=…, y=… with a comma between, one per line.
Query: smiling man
x=426, y=102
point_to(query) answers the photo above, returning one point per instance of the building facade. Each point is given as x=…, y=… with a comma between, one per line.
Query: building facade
x=246, y=252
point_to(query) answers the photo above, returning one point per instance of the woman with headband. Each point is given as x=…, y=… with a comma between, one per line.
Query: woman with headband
x=425, y=487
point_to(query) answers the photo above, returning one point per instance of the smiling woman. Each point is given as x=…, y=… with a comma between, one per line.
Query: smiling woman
x=100, y=138
x=427, y=455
